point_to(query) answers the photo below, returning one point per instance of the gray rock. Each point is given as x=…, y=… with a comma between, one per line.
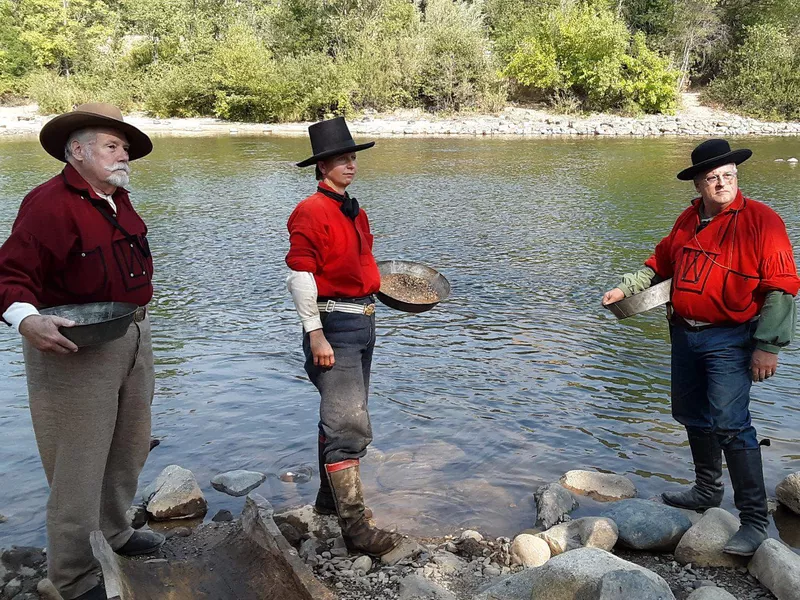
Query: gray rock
x=470, y=534
x=529, y=551
x=137, y=516
x=645, y=525
x=778, y=569
x=237, y=483
x=405, y=549
x=553, y=503
x=17, y=557
x=3, y=518
x=416, y=587
x=511, y=587
x=176, y=495
x=223, y=516
x=702, y=544
x=587, y=532
x=448, y=563
x=788, y=492
x=362, y=563
x=603, y=487
x=710, y=593
x=308, y=522
x=47, y=591
x=625, y=583
x=290, y=533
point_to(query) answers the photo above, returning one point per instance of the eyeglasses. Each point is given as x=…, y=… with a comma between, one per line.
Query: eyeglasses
x=726, y=177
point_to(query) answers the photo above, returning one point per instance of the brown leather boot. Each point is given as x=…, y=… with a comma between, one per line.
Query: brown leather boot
x=359, y=534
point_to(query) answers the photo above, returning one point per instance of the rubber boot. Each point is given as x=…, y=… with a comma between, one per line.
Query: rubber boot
x=708, y=490
x=359, y=534
x=324, y=505
x=750, y=497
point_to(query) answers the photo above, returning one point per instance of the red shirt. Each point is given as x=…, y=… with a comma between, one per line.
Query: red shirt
x=334, y=248
x=63, y=251
x=723, y=273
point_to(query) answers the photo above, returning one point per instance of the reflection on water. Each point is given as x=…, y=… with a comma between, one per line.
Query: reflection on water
x=517, y=378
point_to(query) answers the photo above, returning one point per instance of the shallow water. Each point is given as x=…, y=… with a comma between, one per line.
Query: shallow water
x=517, y=378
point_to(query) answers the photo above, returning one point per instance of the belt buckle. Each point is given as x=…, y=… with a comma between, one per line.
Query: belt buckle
x=369, y=310
x=329, y=306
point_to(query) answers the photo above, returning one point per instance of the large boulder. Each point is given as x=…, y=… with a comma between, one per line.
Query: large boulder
x=175, y=495
x=788, y=492
x=603, y=487
x=778, y=569
x=237, y=483
x=553, y=503
x=594, y=574
x=587, y=532
x=529, y=551
x=645, y=525
x=702, y=544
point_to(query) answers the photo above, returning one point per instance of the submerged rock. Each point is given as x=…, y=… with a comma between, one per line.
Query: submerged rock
x=788, y=492
x=645, y=525
x=702, y=545
x=553, y=503
x=603, y=487
x=587, y=532
x=176, y=495
x=237, y=483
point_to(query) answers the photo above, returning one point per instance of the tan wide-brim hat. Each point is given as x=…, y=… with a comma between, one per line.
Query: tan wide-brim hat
x=56, y=132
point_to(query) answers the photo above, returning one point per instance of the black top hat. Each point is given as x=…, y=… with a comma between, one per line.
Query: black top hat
x=331, y=138
x=710, y=155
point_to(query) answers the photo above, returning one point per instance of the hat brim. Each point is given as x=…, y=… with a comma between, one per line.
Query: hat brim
x=335, y=152
x=735, y=156
x=56, y=132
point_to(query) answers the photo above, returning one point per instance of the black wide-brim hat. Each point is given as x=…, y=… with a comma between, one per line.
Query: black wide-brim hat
x=712, y=154
x=331, y=138
x=56, y=132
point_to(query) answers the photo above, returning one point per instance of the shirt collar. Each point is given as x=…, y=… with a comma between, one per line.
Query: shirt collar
x=75, y=180
x=739, y=203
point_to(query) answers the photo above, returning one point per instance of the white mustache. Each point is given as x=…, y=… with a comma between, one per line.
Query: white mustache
x=118, y=166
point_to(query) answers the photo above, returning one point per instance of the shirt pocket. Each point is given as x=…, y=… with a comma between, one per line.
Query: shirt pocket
x=738, y=290
x=86, y=273
x=134, y=261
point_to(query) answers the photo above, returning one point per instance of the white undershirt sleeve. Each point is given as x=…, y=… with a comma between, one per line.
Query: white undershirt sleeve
x=17, y=312
x=303, y=289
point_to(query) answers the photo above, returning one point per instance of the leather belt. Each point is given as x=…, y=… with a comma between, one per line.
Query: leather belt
x=140, y=314
x=692, y=325
x=346, y=307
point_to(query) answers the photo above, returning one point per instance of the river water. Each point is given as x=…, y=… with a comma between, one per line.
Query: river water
x=517, y=378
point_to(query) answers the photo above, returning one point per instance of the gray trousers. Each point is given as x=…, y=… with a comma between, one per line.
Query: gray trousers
x=344, y=425
x=91, y=417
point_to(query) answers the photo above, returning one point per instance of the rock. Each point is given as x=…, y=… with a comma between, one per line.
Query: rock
x=416, y=587
x=176, y=495
x=237, y=483
x=469, y=534
x=710, y=593
x=702, y=544
x=788, y=492
x=599, y=486
x=645, y=525
x=223, y=516
x=405, y=549
x=12, y=588
x=307, y=522
x=778, y=569
x=47, y=591
x=137, y=516
x=3, y=518
x=791, y=160
x=17, y=557
x=553, y=503
x=362, y=563
x=448, y=563
x=587, y=532
x=311, y=547
x=290, y=533
x=529, y=551
x=579, y=575
x=625, y=583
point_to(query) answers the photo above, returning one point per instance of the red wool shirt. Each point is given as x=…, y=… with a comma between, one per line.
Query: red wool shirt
x=63, y=251
x=723, y=273
x=334, y=248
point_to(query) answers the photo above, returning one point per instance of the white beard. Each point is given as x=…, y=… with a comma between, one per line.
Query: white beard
x=118, y=179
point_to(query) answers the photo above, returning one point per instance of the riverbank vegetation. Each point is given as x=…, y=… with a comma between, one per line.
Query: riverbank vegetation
x=286, y=60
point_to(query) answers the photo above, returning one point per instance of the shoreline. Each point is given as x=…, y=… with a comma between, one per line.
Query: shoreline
x=693, y=120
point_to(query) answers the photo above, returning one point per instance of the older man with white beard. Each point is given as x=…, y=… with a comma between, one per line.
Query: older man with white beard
x=77, y=239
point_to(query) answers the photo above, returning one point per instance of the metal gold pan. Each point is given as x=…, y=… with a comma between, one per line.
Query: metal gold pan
x=652, y=297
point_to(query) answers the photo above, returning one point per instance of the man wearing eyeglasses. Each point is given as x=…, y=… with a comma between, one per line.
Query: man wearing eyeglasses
x=732, y=309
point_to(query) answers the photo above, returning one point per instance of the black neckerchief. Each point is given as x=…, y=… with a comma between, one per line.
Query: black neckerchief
x=349, y=205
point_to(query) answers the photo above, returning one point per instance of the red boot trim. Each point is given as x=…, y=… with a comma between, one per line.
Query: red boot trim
x=342, y=465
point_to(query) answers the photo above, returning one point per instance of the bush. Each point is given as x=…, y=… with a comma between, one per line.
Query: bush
x=588, y=51
x=762, y=76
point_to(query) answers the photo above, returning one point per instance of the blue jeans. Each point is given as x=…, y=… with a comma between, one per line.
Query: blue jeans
x=344, y=425
x=711, y=382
